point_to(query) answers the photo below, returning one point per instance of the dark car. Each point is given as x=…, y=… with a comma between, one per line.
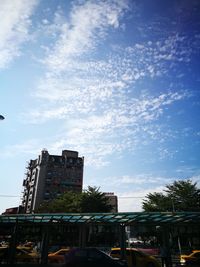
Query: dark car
x=91, y=257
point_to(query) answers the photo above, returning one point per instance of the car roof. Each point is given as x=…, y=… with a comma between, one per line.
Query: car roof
x=57, y=251
x=134, y=249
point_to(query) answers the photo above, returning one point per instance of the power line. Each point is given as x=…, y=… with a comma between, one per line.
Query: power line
x=118, y=196
x=8, y=196
x=131, y=197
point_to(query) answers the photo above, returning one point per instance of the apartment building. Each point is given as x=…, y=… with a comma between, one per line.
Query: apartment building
x=49, y=176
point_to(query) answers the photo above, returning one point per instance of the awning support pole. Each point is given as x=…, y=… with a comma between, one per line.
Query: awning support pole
x=44, y=245
x=122, y=240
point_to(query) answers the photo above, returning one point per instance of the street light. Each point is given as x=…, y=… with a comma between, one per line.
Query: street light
x=1, y=117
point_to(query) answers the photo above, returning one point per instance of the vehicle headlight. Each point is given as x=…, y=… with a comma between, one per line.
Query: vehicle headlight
x=182, y=261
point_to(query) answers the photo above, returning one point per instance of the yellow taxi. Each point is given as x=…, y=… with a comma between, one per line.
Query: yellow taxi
x=58, y=256
x=192, y=259
x=135, y=258
x=21, y=255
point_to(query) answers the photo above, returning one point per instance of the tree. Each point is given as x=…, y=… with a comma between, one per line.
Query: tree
x=157, y=202
x=68, y=202
x=90, y=200
x=94, y=201
x=182, y=195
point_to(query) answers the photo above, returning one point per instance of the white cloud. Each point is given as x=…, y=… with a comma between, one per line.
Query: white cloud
x=15, y=22
x=88, y=22
x=196, y=179
x=29, y=147
x=138, y=182
x=97, y=101
x=101, y=127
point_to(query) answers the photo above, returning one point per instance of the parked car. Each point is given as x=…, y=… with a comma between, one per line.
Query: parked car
x=58, y=256
x=146, y=248
x=192, y=259
x=135, y=257
x=91, y=257
x=21, y=255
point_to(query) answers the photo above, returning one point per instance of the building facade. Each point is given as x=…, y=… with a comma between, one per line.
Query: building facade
x=112, y=200
x=49, y=176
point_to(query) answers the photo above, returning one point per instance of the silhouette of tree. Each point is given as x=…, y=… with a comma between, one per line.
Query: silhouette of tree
x=90, y=200
x=182, y=195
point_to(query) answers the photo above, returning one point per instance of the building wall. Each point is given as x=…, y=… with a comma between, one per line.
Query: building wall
x=49, y=176
x=112, y=200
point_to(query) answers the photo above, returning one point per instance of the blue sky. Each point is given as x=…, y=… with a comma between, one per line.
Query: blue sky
x=116, y=80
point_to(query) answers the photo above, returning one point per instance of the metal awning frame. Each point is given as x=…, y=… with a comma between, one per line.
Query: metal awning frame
x=126, y=218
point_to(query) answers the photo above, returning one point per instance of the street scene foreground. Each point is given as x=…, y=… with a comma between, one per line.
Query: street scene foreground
x=146, y=239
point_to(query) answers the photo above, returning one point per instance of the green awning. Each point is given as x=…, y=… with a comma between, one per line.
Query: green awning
x=155, y=218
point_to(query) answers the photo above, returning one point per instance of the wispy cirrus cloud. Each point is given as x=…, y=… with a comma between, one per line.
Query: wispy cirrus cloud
x=14, y=31
x=125, y=125
x=100, y=100
x=119, y=87
x=88, y=22
x=146, y=181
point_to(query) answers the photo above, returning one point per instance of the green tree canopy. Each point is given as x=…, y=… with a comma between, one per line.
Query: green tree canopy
x=182, y=195
x=94, y=201
x=68, y=202
x=90, y=200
